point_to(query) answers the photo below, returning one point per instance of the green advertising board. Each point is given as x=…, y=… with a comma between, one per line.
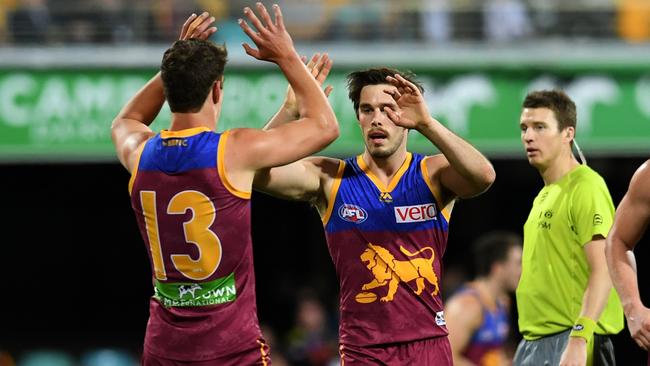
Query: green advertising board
x=66, y=114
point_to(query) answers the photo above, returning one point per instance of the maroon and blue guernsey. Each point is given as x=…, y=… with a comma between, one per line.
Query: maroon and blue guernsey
x=196, y=228
x=387, y=244
x=486, y=345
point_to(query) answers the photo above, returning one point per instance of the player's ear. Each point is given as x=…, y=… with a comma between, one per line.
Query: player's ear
x=217, y=91
x=570, y=133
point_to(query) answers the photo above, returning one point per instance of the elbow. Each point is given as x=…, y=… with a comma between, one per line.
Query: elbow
x=115, y=123
x=490, y=175
x=334, y=131
x=115, y=126
x=330, y=129
x=485, y=178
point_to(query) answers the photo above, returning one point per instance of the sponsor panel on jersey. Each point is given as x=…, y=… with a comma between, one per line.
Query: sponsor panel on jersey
x=219, y=291
x=415, y=213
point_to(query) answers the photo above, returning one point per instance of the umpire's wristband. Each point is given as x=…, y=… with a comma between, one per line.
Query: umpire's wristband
x=583, y=328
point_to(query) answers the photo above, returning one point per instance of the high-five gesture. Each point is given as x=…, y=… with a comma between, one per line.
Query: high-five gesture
x=319, y=65
x=413, y=111
x=198, y=27
x=272, y=39
x=316, y=124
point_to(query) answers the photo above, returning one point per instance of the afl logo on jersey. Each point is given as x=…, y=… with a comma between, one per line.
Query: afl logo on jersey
x=352, y=213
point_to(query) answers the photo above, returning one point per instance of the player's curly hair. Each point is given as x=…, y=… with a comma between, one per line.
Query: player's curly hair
x=189, y=69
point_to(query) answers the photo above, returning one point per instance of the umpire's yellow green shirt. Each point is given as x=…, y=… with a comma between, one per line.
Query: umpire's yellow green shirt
x=565, y=216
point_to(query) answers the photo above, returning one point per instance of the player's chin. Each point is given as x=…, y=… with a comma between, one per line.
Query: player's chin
x=379, y=151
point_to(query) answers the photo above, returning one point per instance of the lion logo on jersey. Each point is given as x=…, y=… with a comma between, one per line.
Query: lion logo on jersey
x=389, y=271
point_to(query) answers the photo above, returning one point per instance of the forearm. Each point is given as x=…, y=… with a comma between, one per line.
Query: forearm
x=282, y=116
x=622, y=269
x=145, y=105
x=596, y=294
x=462, y=156
x=313, y=103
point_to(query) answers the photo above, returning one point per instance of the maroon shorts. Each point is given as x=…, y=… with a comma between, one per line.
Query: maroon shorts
x=432, y=351
x=259, y=356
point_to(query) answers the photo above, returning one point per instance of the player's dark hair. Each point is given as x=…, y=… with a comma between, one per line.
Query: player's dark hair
x=556, y=100
x=492, y=248
x=189, y=69
x=374, y=76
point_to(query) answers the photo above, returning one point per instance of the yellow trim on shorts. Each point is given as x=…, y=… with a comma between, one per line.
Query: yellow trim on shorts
x=393, y=182
x=333, y=192
x=446, y=211
x=264, y=355
x=137, y=165
x=222, y=169
x=165, y=134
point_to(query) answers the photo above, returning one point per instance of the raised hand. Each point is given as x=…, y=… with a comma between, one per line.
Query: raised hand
x=198, y=27
x=319, y=65
x=271, y=38
x=413, y=111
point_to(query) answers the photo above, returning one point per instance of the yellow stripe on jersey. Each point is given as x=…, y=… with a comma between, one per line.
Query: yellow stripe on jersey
x=221, y=168
x=393, y=182
x=333, y=192
x=446, y=211
x=138, y=151
x=149, y=211
x=165, y=134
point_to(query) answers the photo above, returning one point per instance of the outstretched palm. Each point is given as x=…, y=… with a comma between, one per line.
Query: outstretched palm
x=198, y=26
x=320, y=66
x=270, y=36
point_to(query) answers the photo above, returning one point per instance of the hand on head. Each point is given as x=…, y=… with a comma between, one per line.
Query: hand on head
x=413, y=110
x=271, y=38
x=198, y=26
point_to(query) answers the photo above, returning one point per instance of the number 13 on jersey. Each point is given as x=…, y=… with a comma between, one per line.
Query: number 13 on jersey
x=196, y=231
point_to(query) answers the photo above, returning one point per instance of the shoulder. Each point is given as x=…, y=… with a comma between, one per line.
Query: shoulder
x=640, y=182
x=325, y=167
x=135, y=153
x=435, y=162
x=585, y=181
x=325, y=164
x=465, y=304
x=586, y=175
x=432, y=166
x=642, y=174
x=239, y=134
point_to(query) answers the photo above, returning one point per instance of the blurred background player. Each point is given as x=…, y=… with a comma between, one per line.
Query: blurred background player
x=190, y=190
x=630, y=223
x=477, y=315
x=566, y=304
x=311, y=341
